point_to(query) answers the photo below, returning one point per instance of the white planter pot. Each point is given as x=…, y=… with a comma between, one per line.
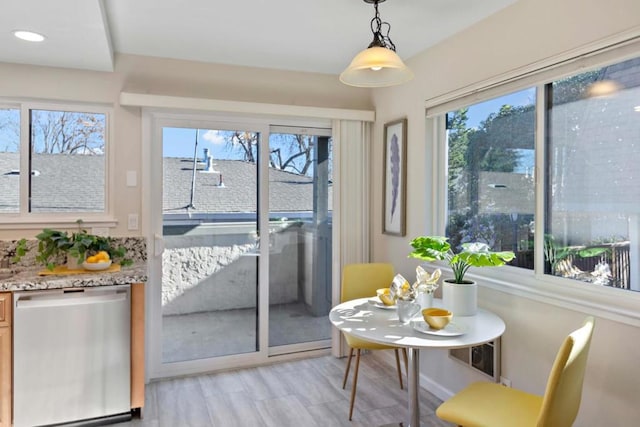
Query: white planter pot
x=460, y=299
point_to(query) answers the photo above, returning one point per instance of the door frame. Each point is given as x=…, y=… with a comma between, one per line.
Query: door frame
x=153, y=120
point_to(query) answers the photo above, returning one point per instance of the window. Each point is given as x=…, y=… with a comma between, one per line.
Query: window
x=593, y=176
x=63, y=153
x=590, y=145
x=9, y=159
x=491, y=197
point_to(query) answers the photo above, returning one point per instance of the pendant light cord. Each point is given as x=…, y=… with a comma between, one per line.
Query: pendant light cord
x=377, y=28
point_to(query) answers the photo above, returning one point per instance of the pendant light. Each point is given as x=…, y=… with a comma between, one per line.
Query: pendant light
x=378, y=65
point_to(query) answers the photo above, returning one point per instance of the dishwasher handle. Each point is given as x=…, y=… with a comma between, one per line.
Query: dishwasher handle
x=68, y=299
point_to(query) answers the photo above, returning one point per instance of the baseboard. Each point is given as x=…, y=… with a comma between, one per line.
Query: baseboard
x=435, y=388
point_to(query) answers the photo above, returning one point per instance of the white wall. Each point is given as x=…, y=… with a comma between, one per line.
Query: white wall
x=524, y=33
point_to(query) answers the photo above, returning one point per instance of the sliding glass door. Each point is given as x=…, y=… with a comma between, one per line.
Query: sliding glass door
x=210, y=262
x=242, y=244
x=300, y=226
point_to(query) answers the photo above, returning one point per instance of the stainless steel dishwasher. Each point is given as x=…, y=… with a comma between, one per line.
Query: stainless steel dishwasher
x=71, y=356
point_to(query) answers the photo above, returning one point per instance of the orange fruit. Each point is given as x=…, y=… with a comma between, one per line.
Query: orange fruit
x=92, y=259
x=386, y=299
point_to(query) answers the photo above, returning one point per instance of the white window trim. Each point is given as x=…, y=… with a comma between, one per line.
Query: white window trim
x=153, y=102
x=24, y=220
x=611, y=303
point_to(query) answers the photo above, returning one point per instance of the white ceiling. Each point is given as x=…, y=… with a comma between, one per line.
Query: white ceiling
x=303, y=35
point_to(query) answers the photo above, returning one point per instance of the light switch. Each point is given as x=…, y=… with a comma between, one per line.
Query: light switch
x=132, y=222
x=132, y=178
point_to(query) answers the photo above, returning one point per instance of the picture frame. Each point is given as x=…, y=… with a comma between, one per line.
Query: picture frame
x=395, y=178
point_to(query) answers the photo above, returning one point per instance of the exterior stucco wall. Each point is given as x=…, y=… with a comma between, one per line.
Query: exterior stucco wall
x=218, y=271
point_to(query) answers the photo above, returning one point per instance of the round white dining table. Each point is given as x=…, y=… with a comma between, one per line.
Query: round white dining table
x=365, y=318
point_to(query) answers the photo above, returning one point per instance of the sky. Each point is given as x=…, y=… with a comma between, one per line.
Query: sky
x=180, y=142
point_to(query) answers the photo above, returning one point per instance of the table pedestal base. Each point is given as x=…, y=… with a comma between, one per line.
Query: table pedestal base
x=413, y=386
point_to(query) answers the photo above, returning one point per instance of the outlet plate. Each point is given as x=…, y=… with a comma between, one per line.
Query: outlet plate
x=505, y=381
x=132, y=178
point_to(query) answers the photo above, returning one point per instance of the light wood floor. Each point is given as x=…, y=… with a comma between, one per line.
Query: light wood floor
x=303, y=393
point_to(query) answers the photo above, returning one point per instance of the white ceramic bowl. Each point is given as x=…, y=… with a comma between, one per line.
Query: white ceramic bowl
x=96, y=266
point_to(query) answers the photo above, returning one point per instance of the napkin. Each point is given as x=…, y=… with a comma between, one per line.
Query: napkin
x=401, y=289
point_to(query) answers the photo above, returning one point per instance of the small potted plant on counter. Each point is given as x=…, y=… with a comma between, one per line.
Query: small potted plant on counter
x=458, y=294
x=55, y=247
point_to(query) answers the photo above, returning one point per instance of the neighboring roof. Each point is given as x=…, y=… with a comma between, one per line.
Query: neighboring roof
x=289, y=192
x=54, y=188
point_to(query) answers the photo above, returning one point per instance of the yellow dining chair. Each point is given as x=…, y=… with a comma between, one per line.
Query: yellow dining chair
x=361, y=281
x=491, y=404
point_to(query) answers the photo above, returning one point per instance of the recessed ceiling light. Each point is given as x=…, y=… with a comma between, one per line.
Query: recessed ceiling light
x=637, y=108
x=29, y=36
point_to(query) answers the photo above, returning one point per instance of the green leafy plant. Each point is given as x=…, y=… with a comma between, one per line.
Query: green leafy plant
x=52, y=244
x=20, y=250
x=555, y=253
x=437, y=248
x=55, y=244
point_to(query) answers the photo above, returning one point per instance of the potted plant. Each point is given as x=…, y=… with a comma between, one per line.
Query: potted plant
x=437, y=248
x=56, y=247
x=555, y=253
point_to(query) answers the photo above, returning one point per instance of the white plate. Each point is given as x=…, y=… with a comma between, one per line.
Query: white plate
x=451, y=330
x=379, y=304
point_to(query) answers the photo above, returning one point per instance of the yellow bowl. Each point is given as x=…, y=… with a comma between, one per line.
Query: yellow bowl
x=437, y=318
x=385, y=296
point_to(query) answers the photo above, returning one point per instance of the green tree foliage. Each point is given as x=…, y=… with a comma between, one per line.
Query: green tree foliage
x=492, y=146
x=458, y=145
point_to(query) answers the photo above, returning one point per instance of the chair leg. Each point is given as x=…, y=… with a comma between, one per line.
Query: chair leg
x=355, y=384
x=346, y=371
x=398, y=368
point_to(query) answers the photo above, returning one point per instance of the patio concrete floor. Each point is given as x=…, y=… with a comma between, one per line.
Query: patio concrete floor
x=219, y=333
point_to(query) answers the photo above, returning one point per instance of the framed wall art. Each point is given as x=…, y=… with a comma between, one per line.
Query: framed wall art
x=395, y=177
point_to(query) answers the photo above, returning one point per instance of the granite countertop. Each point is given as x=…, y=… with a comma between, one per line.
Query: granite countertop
x=23, y=275
x=27, y=279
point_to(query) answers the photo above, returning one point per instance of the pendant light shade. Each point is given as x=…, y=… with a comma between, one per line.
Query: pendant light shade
x=378, y=65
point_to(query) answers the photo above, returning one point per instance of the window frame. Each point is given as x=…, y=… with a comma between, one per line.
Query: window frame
x=612, y=303
x=23, y=219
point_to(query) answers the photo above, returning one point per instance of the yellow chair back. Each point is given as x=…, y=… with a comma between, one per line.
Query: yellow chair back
x=562, y=396
x=362, y=280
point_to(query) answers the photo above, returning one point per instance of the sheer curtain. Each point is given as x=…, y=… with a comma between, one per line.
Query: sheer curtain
x=351, y=210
